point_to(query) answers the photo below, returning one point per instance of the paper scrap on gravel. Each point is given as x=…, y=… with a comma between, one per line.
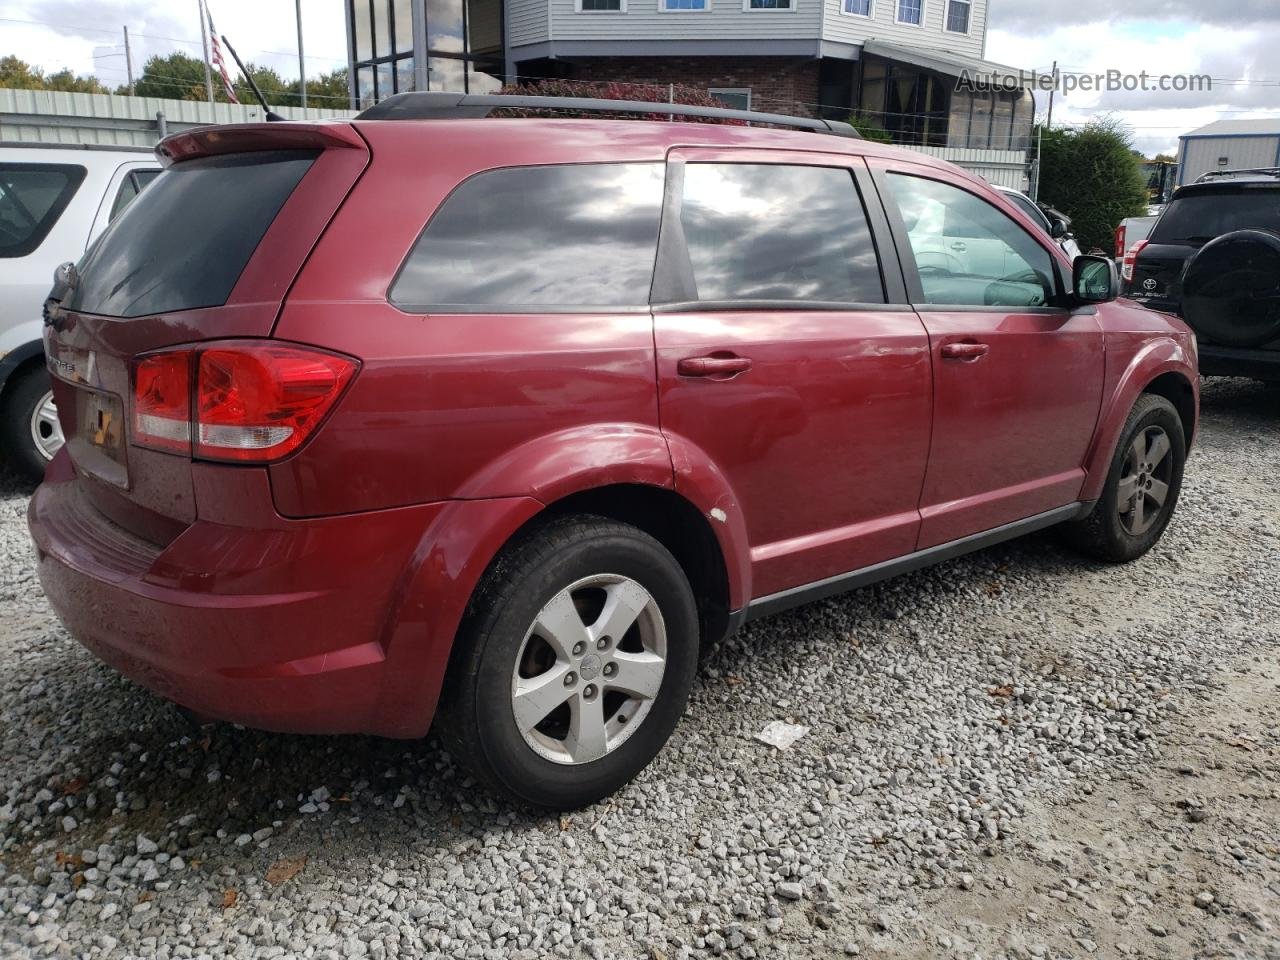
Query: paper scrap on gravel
x=781, y=734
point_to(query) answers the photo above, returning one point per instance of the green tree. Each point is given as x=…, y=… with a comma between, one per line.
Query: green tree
x=1090, y=174
x=329, y=91
x=870, y=128
x=19, y=75
x=175, y=77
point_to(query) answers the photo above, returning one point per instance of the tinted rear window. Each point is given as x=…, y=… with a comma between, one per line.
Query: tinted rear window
x=775, y=232
x=184, y=241
x=32, y=197
x=1200, y=217
x=574, y=235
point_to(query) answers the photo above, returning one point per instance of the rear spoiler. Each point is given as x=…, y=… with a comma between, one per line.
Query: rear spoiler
x=249, y=137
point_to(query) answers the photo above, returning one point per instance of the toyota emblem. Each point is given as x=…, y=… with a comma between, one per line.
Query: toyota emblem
x=1149, y=284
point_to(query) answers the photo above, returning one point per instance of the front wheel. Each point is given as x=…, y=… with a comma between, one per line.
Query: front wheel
x=30, y=433
x=1142, y=486
x=574, y=664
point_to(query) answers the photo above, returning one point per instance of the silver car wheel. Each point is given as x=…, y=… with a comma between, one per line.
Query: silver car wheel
x=1144, y=480
x=589, y=669
x=46, y=431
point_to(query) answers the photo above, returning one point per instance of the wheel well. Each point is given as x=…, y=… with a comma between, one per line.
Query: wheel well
x=1175, y=388
x=675, y=523
x=20, y=371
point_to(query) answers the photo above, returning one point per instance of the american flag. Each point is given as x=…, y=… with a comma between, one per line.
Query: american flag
x=221, y=64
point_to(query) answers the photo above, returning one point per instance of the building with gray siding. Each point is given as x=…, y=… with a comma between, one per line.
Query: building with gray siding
x=1229, y=145
x=898, y=62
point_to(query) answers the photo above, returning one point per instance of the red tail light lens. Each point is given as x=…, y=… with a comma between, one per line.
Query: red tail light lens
x=260, y=402
x=162, y=401
x=1120, y=232
x=254, y=402
x=1131, y=259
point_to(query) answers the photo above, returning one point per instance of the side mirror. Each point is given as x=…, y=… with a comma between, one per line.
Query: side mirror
x=1095, y=279
x=1058, y=228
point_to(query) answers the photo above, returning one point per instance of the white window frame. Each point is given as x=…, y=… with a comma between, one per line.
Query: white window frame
x=663, y=8
x=747, y=8
x=946, y=18
x=897, y=14
x=712, y=91
x=869, y=15
x=622, y=8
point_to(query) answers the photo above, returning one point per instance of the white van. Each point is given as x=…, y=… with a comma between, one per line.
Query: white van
x=54, y=201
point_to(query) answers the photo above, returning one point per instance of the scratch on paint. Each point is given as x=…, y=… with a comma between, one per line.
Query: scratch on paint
x=718, y=514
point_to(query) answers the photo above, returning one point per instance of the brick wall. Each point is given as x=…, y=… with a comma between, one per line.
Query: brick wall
x=778, y=84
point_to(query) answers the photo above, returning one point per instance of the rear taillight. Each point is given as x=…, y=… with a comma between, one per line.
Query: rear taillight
x=254, y=401
x=1131, y=258
x=1120, y=232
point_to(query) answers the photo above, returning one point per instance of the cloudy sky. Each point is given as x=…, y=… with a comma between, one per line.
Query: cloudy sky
x=1233, y=41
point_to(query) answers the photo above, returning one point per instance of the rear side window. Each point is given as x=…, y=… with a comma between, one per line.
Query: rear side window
x=182, y=243
x=32, y=197
x=524, y=239
x=777, y=232
x=1199, y=217
x=130, y=187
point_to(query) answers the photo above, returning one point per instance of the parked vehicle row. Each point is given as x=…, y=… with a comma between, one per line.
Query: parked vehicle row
x=1213, y=258
x=508, y=417
x=54, y=201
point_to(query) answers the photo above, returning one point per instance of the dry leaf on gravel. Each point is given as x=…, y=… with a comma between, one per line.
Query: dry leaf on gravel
x=285, y=869
x=229, y=898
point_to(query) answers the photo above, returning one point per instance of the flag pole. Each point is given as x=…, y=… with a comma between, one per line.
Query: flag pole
x=204, y=40
x=302, y=69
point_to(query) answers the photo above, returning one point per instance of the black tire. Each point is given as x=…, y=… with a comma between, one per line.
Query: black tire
x=22, y=395
x=1231, y=289
x=1105, y=532
x=477, y=717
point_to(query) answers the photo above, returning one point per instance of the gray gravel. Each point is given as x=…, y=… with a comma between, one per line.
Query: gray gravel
x=1018, y=754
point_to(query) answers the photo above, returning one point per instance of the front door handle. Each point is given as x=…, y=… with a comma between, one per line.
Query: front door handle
x=964, y=351
x=720, y=367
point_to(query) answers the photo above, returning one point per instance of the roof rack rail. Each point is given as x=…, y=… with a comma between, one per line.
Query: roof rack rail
x=1252, y=171
x=440, y=105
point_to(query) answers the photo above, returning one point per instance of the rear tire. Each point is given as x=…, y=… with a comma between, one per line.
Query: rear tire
x=1142, y=486
x=25, y=428
x=573, y=665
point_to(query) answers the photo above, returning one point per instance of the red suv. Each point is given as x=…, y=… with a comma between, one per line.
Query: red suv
x=497, y=420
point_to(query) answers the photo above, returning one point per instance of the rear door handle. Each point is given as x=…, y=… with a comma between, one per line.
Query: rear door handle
x=722, y=367
x=964, y=351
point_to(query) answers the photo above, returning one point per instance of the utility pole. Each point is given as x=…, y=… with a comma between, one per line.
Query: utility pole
x=1052, y=90
x=128, y=60
x=302, y=67
x=204, y=40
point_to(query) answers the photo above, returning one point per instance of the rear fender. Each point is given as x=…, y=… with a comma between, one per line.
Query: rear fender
x=1159, y=357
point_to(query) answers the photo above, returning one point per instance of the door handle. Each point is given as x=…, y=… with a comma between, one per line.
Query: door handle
x=721, y=367
x=959, y=246
x=964, y=351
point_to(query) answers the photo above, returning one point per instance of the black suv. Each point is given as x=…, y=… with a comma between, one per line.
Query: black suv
x=1213, y=258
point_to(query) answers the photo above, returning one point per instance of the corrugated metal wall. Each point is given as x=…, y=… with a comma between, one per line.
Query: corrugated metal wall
x=1006, y=168
x=48, y=116
x=1241, y=153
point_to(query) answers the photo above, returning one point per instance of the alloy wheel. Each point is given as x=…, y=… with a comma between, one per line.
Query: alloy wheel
x=589, y=669
x=1144, y=480
x=46, y=431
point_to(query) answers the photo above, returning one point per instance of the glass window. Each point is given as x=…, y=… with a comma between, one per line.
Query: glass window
x=364, y=87
x=480, y=80
x=386, y=79
x=910, y=11
x=32, y=197
x=153, y=259
x=404, y=27
x=404, y=74
x=362, y=31
x=774, y=232
x=590, y=6
x=684, y=4
x=446, y=73
x=860, y=8
x=573, y=235
x=445, y=27
x=735, y=98
x=967, y=252
x=768, y=4
x=484, y=26
x=382, y=27
x=1199, y=216
x=958, y=16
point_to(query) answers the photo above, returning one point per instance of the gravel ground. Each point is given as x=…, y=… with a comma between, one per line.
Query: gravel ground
x=1018, y=754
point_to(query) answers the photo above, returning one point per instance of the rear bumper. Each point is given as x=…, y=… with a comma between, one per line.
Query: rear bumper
x=298, y=627
x=1218, y=361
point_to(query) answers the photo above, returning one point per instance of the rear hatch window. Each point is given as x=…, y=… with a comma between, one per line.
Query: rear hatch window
x=1197, y=218
x=182, y=244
